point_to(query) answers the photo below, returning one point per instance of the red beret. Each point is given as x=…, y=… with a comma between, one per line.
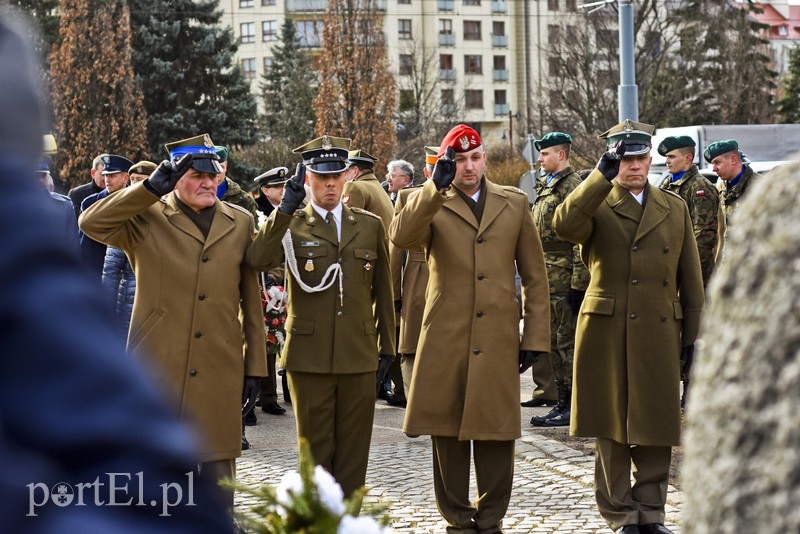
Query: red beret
x=462, y=138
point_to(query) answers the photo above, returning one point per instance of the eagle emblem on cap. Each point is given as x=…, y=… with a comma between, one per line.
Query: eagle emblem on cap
x=326, y=142
x=207, y=141
x=464, y=141
x=628, y=125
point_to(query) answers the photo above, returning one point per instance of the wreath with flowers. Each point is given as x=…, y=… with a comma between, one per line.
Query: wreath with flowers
x=273, y=302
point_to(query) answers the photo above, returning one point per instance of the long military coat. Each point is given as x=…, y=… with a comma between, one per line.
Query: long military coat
x=365, y=192
x=410, y=281
x=643, y=303
x=187, y=322
x=324, y=334
x=466, y=372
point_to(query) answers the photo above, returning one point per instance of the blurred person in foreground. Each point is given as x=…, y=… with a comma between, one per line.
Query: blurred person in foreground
x=74, y=408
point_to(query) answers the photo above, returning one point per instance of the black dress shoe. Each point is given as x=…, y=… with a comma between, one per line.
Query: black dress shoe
x=537, y=402
x=273, y=408
x=245, y=443
x=654, y=528
x=629, y=529
x=250, y=418
x=394, y=401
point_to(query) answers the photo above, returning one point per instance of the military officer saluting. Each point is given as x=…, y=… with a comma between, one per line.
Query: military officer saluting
x=340, y=312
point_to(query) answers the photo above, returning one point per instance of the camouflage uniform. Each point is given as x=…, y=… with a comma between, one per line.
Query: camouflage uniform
x=238, y=196
x=729, y=197
x=702, y=199
x=564, y=270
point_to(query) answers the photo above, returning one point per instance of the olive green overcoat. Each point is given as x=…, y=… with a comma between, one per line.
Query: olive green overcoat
x=466, y=372
x=197, y=318
x=365, y=192
x=643, y=303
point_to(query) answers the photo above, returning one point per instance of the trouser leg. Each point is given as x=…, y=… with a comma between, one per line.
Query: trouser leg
x=494, y=473
x=451, y=466
x=269, y=384
x=220, y=470
x=355, y=411
x=651, y=477
x=612, y=479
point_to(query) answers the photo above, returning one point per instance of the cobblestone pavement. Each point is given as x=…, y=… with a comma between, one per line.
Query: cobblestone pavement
x=552, y=482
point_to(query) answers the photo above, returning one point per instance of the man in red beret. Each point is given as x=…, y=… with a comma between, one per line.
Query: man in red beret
x=465, y=387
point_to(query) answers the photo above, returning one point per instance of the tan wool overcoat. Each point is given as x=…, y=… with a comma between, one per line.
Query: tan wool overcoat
x=365, y=192
x=466, y=373
x=197, y=319
x=643, y=303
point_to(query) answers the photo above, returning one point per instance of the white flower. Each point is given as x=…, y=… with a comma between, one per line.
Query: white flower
x=361, y=525
x=290, y=484
x=330, y=492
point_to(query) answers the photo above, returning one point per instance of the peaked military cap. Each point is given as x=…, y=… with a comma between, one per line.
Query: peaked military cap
x=552, y=139
x=44, y=165
x=222, y=152
x=325, y=155
x=430, y=155
x=143, y=167
x=361, y=158
x=204, y=154
x=674, y=142
x=112, y=164
x=636, y=136
x=272, y=178
x=720, y=147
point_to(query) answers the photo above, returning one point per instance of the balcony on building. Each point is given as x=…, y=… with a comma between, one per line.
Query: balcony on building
x=500, y=75
x=499, y=6
x=446, y=5
x=309, y=41
x=500, y=110
x=447, y=75
x=500, y=41
x=294, y=6
x=447, y=39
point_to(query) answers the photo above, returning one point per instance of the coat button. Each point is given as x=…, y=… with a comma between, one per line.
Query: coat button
x=339, y=314
x=634, y=281
x=476, y=351
x=193, y=372
x=480, y=277
x=480, y=239
x=663, y=318
x=204, y=259
x=202, y=296
x=633, y=316
x=198, y=334
x=635, y=248
x=310, y=254
x=666, y=249
x=666, y=283
x=479, y=314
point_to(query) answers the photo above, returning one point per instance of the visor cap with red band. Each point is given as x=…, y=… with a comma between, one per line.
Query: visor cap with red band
x=461, y=138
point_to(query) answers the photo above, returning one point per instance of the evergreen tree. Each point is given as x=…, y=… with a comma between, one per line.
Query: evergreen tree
x=789, y=106
x=183, y=58
x=97, y=102
x=288, y=90
x=357, y=95
x=44, y=14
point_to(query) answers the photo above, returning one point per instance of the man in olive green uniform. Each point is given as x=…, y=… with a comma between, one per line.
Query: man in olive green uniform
x=229, y=191
x=340, y=318
x=563, y=268
x=702, y=198
x=641, y=312
x=728, y=164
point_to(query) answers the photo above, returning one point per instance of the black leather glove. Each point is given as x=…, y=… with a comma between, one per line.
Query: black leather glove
x=398, y=305
x=293, y=191
x=575, y=299
x=445, y=170
x=250, y=391
x=526, y=359
x=687, y=355
x=384, y=362
x=164, y=178
x=609, y=161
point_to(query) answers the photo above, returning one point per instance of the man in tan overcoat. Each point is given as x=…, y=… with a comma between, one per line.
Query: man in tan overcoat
x=465, y=391
x=197, y=317
x=640, y=314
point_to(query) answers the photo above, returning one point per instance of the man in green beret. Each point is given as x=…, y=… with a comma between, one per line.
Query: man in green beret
x=230, y=191
x=564, y=268
x=728, y=163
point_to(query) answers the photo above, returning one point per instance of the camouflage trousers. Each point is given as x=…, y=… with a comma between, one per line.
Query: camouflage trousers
x=562, y=337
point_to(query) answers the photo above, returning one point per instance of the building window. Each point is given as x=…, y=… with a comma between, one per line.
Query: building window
x=249, y=68
x=267, y=64
x=555, y=99
x=404, y=29
x=500, y=97
x=472, y=2
x=269, y=29
x=403, y=1
x=498, y=27
x=446, y=61
x=553, y=34
x=499, y=62
x=473, y=65
x=552, y=5
x=608, y=39
x=247, y=3
x=572, y=5
x=406, y=64
x=472, y=30
x=446, y=26
x=473, y=99
x=247, y=32
x=308, y=32
x=448, y=97
x=267, y=2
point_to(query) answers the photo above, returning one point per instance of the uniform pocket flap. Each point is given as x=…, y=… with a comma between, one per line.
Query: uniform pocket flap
x=310, y=252
x=598, y=304
x=299, y=326
x=369, y=254
x=677, y=309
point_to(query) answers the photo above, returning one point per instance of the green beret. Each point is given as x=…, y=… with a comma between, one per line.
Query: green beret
x=222, y=152
x=673, y=142
x=720, y=147
x=552, y=139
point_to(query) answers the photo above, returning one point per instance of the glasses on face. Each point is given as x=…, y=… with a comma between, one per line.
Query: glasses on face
x=396, y=176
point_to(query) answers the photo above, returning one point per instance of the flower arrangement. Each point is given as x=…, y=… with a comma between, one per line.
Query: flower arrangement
x=273, y=301
x=310, y=501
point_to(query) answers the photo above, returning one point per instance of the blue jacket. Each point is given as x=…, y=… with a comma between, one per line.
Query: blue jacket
x=119, y=283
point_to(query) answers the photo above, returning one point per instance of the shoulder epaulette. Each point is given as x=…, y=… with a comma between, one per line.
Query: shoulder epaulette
x=513, y=189
x=673, y=193
x=230, y=205
x=363, y=212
